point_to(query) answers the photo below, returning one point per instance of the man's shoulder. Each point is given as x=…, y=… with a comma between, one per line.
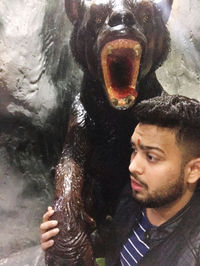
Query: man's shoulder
x=180, y=247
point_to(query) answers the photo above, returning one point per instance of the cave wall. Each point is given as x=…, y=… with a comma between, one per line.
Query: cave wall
x=180, y=73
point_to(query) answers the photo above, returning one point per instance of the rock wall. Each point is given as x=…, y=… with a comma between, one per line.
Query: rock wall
x=180, y=73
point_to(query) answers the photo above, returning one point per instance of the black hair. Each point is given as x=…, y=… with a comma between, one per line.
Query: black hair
x=176, y=112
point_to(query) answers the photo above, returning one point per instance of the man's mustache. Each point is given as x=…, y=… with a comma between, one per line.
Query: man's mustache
x=138, y=180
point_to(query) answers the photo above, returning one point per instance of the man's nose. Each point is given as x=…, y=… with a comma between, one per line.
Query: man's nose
x=136, y=165
x=121, y=17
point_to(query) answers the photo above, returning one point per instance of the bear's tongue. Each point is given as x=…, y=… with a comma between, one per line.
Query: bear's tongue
x=120, y=60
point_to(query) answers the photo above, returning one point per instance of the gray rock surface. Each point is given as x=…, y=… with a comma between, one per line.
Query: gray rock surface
x=34, y=58
x=180, y=73
x=33, y=256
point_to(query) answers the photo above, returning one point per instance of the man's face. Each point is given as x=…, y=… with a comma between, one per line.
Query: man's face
x=156, y=169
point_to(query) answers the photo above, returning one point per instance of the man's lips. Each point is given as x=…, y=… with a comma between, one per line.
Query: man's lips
x=136, y=185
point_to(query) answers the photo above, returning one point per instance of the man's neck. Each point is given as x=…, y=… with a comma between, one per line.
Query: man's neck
x=158, y=216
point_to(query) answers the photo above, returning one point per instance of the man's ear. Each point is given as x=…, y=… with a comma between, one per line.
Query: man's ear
x=192, y=171
x=72, y=8
x=165, y=7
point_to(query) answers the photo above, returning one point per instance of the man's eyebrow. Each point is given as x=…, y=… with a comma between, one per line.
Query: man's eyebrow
x=146, y=148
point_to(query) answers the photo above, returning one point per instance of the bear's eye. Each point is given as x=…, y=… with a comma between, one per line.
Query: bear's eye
x=146, y=18
x=98, y=20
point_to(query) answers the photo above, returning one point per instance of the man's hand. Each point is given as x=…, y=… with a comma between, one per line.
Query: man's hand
x=48, y=230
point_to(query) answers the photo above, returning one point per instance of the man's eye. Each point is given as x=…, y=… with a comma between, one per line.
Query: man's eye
x=133, y=150
x=152, y=158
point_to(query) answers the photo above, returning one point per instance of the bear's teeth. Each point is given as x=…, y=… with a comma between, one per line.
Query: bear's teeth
x=120, y=61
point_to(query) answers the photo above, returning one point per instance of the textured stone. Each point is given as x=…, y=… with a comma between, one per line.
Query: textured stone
x=33, y=256
x=34, y=58
x=180, y=73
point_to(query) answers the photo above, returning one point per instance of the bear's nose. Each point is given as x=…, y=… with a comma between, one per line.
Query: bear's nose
x=125, y=18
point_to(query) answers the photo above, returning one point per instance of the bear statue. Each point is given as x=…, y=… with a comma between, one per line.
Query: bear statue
x=118, y=44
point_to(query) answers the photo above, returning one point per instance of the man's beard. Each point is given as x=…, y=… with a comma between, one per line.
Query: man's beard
x=165, y=195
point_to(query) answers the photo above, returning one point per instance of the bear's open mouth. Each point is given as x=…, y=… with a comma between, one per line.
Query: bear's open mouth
x=120, y=60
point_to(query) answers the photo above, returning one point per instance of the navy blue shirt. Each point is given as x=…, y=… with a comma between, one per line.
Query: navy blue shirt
x=135, y=248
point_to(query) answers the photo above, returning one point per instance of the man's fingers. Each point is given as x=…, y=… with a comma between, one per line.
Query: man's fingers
x=48, y=214
x=48, y=230
x=47, y=225
x=47, y=244
x=48, y=235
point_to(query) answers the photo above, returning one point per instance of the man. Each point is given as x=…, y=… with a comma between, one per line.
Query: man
x=158, y=218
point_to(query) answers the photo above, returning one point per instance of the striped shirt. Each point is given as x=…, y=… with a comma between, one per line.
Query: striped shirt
x=135, y=248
